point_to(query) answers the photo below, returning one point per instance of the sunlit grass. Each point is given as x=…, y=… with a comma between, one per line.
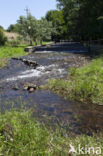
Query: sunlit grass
x=21, y=134
x=83, y=84
x=8, y=52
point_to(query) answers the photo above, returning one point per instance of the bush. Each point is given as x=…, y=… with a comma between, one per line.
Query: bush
x=3, y=39
x=14, y=43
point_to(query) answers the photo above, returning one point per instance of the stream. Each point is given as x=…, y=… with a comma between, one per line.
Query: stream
x=54, y=62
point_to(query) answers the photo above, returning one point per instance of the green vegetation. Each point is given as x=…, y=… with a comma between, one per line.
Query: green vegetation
x=83, y=84
x=73, y=20
x=8, y=52
x=56, y=17
x=82, y=19
x=2, y=37
x=33, y=30
x=21, y=135
x=15, y=49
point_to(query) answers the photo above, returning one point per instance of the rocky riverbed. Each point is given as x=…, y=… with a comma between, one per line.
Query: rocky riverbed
x=19, y=88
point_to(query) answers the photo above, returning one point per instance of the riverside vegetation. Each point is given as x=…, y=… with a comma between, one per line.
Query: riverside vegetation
x=82, y=84
x=8, y=52
x=21, y=135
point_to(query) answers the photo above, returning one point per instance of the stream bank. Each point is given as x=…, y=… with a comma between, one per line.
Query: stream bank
x=46, y=105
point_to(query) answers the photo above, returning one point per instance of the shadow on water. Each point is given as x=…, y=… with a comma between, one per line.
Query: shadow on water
x=52, y=109
x=46, y=106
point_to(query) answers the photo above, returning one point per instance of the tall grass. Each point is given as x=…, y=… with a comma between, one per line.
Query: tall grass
x=83, y=84
x=21, y=135
x=8, y=52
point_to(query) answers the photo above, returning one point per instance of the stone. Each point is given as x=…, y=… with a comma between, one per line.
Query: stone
x=30, y=87
x=27, y=62
x=25, y=87
x=31, y=90
x=15, y=87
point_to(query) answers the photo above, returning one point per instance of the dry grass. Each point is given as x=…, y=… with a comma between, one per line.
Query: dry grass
x=11, y=35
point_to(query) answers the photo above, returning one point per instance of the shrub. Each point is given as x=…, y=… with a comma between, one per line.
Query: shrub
x=3, y=39
x=14, y=43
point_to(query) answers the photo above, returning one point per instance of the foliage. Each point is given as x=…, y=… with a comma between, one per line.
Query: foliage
x=83, y=84
x=33, y=29
x=81, y=18
x=1, y=27
x=14, y=43
x=56, y=17
x=44, y=30
x=27, y=26
x=13, y=28
x=74, y=20
x=22, y=135
x=3, y=39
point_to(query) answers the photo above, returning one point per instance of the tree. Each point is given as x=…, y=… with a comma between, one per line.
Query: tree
x=70, y=10
x=1, y=27
x=56, y=17
x=3, y=39
x=11, y=28
x=82, y=18
x=27, y=27
x=44, y=30
x=89, y=12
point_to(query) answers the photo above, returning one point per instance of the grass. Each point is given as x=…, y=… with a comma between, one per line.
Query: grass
x=43, y=43
x=8, y=52
x=21, y=135
x=83, y=84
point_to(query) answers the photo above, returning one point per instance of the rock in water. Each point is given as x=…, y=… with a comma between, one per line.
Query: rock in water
x=25, y=87
x=15, y=87
x=31, y=90
x=27, y=62
x=30, y=87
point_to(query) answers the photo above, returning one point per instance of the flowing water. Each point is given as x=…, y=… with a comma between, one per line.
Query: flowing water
x=46, y=106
